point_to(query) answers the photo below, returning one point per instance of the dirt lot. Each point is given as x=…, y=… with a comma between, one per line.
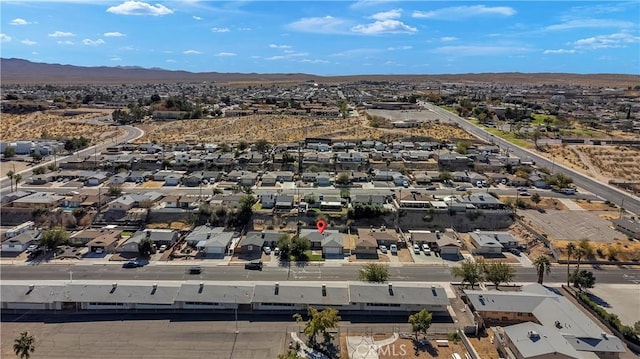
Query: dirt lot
x=621, y=250
x=51, y=124
x=405, y=348
x=483, y=345
x=614, y=162
x=545, y=203
x=573, y=225
x=595, y=205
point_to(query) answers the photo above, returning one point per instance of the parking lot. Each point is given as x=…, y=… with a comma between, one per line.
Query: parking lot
x=149, y=339
x=573, y=225
x=621, y=300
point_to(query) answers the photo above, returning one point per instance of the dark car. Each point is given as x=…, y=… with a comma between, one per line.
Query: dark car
x=131, y=264
x=194, y=270
x=256, y=265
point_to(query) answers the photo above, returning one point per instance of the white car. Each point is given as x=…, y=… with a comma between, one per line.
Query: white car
x=416, y=249
x=425, y=247
x=383, y=248
x=393, y=248
x=99, y=250
x=163, y=248
x=427, y=251
x=267, y=250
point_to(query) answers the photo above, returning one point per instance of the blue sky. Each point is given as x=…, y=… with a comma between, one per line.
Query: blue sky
x=328, y=37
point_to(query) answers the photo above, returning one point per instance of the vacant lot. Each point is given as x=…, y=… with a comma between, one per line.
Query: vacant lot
x=52, y=124
x=614, y=162
x=279, y=129
x=622, y=250
x=573, y=225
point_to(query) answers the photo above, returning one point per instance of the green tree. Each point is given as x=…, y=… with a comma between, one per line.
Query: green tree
x=584, y=249
x=445, y=176
x=535, y=198
x=290, y=354
x=374, y=272
x=54, y=237
x=262, y=145
x=9, y=152
x=320, y=322
x=344, y=109
x=571, y=248
x=583, y=279
x=145, y=246
x=114, y=190
x=52, y=167
x=469, y=271
x=10, y=175
x=17, y=178
x=299, y=246
x=243, y=145
x=284, y=244
x=342, y=178
x=24, y=345
x=498, y=272
x=345, y=193
x=636, y=327
x=39, y=171
x=225, y=148
x=462, y=147
x=542, y=264
x=36, y=156
x=420, y=322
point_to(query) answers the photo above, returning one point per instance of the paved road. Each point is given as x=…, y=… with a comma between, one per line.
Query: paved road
x=309, y=273
x=132, y=133
x=628, y=201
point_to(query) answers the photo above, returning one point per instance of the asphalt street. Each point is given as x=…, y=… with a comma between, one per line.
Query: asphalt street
x=628, y=201
x=411, y=273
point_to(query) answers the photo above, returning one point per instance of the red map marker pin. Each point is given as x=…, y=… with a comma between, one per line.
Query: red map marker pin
x=322, y=225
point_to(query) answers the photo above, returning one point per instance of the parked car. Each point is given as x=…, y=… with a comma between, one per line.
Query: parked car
x=276, y=251
x=254, y=265
x=427, y=251
x=267, y=250
x=393, y=248
x=32, y=248
x=163, y=248
x=383, y=248
x=35, y=253
x=461, y=188
x=416, y=249
x=524, y=194
x=195, y=270
x=99, y=250
x=522, y=189
x=425, y=247
x=131, y=264
x=514, y=251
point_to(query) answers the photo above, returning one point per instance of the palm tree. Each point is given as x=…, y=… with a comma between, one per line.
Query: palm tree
x=10, y=174
x=585, y=249
x=17, y=178
x=23, y=345
x=542, y=265
x=570, y=249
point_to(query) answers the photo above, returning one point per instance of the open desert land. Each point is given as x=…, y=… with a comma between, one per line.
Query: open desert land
x=279, y=129
x=53, y=124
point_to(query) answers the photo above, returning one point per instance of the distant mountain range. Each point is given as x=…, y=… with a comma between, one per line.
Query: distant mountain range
x=20, y=71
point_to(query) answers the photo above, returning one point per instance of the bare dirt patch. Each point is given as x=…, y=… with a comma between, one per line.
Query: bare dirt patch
x=595, y=205
x=614, y=162
x=621, y=250
x=545, y=203
x=52, y=124
x=179, y=226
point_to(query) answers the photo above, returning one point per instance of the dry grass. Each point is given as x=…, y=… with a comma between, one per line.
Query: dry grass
x=614, y=162
x=545, y=203
x=279, y=129
x=52, y=124
x=595, y=205
x=179, y=226
x=623, y=250
x=567, y=156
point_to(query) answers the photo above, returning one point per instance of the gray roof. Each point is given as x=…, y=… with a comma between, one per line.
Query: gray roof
x=399, y=294
x=314, y=236
x=215, y=293
x=332, y=240
x=485, y=240
x=164, y=293
x=336, y=294
x=543, y=341
x=41, y=293
x=501, y=237
x=552, y=311
x=24, y=237
x=202, y=233
x=154, y=235
x=258, y=238
x=218, y=240
x=39, y=197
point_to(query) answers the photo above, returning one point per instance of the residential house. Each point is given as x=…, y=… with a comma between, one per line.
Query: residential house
x=269, y=179
x=20, y=242
x=248, y=179
x=506, y=239
x=284, y=203
x=538, y=179
x=19, y=229
x=485, y=243
x=268, y=200
x=216, y=244
x=369, y=199
x=97, y=178
x=159, y=237
x=382, y=237
x=39, y=199
x=202, y=233
x=332, y=245
x=366, y=247
x=440, y=242
x=554, y=315
x=106, y=242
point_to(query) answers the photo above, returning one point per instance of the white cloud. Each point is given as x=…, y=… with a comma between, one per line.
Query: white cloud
x=90, y=42
x=198, y=18
x=463, y=12
x=65, y=42
x=170, y=61
x=113, y=34
x=139, y=8
x=606, y=41
x=191, y=52
x=274, y=46
x=244, y=29
x=320, y=25
x=226, y=54
x=35, y=53
x=387, y=15
x=220, y=29
x=559, y=52
x=315, y=61
x=448, y=38
x=479, y=50
x=4, y=37
x=116, y=58
x=61, y=34
x=28, y=42
x=19, y=21
x=590, y=23
x=384, y=27
x=287, y=56
x=399, y=48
